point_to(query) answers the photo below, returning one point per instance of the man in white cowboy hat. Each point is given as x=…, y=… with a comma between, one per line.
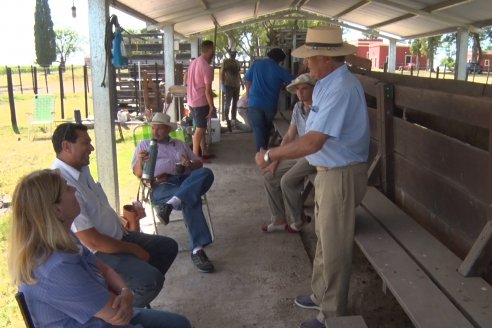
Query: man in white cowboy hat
x=284, y=180
x=337, y=143
x=141, y=259
x=179, y=182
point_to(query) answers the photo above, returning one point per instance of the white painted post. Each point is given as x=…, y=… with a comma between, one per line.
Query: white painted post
x=104, y=101
x=392, y=56
x=169, y=65
x=461, y=54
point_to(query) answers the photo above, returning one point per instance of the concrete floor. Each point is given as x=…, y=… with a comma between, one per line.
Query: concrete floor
x=257, y=275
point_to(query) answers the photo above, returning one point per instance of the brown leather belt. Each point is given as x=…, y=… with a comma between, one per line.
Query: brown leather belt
x=161, y=178
x=322, y=169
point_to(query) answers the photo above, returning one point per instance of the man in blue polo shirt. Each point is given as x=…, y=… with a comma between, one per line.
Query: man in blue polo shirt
x=337, y=144
x=264, y=80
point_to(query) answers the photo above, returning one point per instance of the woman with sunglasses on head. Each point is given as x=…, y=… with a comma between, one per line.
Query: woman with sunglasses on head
x=64, y=284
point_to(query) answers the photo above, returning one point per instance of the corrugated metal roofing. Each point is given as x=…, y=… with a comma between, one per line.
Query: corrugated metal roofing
x=405, y=19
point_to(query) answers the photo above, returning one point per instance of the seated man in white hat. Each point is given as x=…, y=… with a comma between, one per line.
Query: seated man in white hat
x=175, y=188
x=337, y=144
x=284, y=180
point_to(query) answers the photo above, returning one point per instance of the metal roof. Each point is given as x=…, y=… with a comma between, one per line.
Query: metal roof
x=399, y=19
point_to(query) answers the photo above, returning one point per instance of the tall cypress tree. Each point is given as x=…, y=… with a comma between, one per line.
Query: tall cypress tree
x=44, y=34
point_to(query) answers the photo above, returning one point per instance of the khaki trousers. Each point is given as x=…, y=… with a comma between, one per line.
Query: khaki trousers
x=338, y=191
x=284, y=190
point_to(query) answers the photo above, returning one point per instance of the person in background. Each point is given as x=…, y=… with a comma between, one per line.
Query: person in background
x=264, y=80
x=284, y=180
x=337, y=144
x=141, y=259
x=180, y=181
x=63, y=283
x=200, y=96
x=231, y=81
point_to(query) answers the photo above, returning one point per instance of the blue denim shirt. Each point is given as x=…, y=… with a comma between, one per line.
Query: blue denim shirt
x=339, y=111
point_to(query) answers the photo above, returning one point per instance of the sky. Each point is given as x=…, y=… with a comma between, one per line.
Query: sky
x=17, y=28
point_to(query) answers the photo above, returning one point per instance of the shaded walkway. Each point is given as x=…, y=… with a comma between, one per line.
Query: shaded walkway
x=257, y=275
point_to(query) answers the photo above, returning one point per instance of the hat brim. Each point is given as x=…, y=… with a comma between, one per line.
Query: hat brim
x=292, y=88
x=171, y=124
x=305, y=51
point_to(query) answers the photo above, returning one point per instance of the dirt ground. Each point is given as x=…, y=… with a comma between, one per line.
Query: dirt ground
x=366, y=296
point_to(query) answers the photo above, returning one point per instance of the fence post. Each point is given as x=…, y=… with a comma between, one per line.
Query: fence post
x=10, y=87
x=20, y=78
x=46, y=78
x=34, y=72
x=62, y=92
x=86, y=89
x=73, y=80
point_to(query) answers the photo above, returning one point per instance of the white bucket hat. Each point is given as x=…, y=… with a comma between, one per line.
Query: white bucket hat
x=161, y=118
x=305, y=78
x=324, y=41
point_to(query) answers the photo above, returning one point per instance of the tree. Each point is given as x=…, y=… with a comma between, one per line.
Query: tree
x=44, y=35
x=370, y=35
x=67, y=41
x=429, y=50
x=416, y=50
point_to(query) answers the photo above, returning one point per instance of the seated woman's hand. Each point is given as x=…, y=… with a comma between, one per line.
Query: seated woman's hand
x=123, y=304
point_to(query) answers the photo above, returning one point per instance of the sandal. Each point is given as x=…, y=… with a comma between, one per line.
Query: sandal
x=292, y=228
x=273, y=227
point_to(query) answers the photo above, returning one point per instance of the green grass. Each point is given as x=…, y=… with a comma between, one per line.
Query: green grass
x=21, y=156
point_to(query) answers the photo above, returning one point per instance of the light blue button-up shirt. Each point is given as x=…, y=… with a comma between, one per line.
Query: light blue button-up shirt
x=339, y=111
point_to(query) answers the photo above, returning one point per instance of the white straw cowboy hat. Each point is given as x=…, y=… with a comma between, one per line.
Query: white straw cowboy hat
x=161, y=118
x=301, y=79
x=324, y=41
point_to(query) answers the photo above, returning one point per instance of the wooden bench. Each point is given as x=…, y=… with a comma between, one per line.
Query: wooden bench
x=280, y=126
x=419, y=270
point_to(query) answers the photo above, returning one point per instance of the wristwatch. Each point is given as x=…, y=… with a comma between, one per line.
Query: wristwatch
x=266, y=157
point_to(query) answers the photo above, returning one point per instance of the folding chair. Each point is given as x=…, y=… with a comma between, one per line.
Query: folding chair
x=43, y=114
x=144, y=132
x=21, y=301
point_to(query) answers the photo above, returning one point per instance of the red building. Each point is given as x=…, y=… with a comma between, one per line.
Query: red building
x=377, y=52
x=486, y=59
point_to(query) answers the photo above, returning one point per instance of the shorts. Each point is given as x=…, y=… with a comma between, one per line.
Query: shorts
x=200, y=116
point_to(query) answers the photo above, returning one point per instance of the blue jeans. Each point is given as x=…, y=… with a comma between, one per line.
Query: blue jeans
x=144, y=278
x=189, y=189
x=261, y=123
x=231, y=96
x=159, y=319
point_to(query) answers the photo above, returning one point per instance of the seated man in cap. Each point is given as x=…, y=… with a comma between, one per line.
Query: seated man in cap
x=178, y=187
x=284, y=180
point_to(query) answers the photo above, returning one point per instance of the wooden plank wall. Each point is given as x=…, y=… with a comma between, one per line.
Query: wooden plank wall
x=436, y=166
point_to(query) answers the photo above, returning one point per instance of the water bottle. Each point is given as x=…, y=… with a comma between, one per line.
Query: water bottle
x=149, y=166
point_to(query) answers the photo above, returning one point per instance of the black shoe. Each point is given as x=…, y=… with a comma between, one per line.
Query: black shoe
x=201, y=261
x=163, y=213
x=229, y=127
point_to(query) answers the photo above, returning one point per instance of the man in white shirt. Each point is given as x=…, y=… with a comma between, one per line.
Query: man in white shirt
x=142, y=260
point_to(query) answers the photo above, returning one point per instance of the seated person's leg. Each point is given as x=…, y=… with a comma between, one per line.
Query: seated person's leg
x=275, y=198
x=162, y=196
x=150, y=318
x=144, y=279
x=162, y=249
x=292, y=185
